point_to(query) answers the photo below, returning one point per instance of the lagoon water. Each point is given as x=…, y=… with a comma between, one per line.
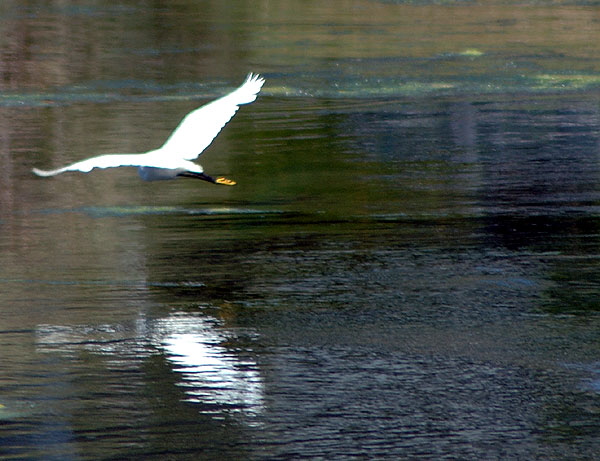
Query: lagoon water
x=408, y=267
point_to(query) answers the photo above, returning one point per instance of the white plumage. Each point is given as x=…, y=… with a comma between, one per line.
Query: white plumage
x=194, y=134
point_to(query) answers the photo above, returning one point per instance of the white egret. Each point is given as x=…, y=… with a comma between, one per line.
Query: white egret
x=194, y=134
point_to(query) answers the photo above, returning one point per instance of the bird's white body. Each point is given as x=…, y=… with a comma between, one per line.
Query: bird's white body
x=193, y=135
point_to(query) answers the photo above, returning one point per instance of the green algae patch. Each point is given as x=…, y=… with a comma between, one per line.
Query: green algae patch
x=559, y=81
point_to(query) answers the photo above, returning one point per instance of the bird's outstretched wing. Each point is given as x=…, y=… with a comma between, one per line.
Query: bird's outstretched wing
x=195, y=132
x=198, y=128
x=102, y=161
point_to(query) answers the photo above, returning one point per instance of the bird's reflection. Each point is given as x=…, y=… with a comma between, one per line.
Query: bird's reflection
x=211, y=374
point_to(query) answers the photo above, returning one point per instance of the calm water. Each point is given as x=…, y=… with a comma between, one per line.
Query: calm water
x=408, y=266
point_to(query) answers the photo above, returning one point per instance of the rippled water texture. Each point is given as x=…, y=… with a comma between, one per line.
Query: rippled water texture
x=407, y=267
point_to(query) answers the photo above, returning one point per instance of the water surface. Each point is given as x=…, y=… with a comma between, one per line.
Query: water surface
x=407, y=267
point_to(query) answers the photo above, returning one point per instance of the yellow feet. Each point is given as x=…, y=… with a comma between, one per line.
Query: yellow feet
x=225, y=181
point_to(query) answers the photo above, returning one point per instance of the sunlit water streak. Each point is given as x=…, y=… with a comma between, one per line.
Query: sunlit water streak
x=346, y=87
x=124, y=211
x=109, y=283
x=211, y=375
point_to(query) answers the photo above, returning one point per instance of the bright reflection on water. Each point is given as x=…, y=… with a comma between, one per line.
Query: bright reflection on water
x=407, y=268
x=210, y=373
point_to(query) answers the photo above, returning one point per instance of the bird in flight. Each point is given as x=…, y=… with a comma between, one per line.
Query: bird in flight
x=193, y=135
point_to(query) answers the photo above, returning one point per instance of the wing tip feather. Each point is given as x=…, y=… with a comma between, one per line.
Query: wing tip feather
x=44, y=173
x=254, y=79
x=252, y=76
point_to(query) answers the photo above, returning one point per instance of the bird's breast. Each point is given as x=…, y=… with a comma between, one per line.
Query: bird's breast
x=149, y=173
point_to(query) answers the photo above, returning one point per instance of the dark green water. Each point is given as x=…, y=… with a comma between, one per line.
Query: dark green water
x=406, y=269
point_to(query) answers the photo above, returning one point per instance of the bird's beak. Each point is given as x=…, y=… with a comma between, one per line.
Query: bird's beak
x=205, y=177
x=225, y=181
